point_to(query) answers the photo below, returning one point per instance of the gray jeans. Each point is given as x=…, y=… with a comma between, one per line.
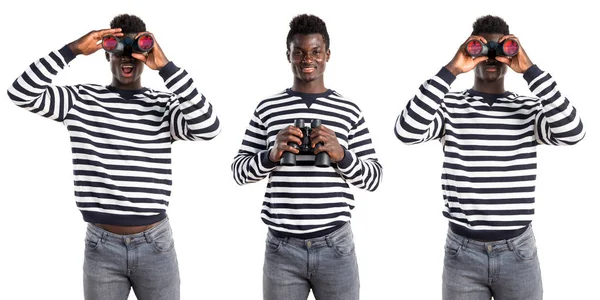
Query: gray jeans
x=326, y=264
x=146, y=261
x=506, y=269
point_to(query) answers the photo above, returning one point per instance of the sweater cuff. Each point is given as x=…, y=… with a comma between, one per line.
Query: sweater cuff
x=168, y=70
x=265, y=161
x=446, y=75
x=67, y=54
x=532, y=73
x=346, y=161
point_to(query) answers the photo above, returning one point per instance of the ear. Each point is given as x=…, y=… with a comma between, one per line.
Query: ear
x=328, y=55
x=287, y=55
x=107, y=56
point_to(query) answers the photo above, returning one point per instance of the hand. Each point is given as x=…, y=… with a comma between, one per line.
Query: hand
x=289, y=134
x=92, y=41
x=462, y=61
x=520, y=62
x=155, y=59
x=330, y=143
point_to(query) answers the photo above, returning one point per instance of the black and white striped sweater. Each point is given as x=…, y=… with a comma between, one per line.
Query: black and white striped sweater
x=306, y=201
x=121, y=140
x=489, y=170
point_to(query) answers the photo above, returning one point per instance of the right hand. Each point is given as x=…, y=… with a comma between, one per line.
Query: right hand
x=92, y=41
x=289, y=134
x=462, y=61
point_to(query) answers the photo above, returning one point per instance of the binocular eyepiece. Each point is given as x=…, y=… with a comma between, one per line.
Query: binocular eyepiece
x=508, y=48
x=141, y=44
x=322, y=158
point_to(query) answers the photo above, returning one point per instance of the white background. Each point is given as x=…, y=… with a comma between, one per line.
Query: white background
x=234, y=50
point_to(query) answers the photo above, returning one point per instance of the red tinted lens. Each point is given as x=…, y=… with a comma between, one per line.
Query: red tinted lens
x=109, y=43
x=145, y=42
x=510, y=47
x=474, y=47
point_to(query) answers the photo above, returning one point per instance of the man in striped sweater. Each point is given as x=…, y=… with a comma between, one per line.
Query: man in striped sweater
x=121, y=136
x=489, y=137
x=307, y=208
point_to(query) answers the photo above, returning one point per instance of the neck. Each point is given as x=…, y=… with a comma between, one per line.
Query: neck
x=136, y=85
x=495, y=87
x=312, y=87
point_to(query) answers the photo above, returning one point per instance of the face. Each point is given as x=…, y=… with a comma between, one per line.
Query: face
x=125, y=69
x=308, y=56
x=491, y=70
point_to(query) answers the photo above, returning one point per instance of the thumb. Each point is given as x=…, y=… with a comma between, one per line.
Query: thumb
x=503, y=60
x=139, y=56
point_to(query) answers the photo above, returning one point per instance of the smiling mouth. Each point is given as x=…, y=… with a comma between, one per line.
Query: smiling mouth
x=308, y=69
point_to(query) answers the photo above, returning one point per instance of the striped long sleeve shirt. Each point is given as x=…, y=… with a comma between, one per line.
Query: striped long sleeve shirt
x=120, y=139
x=489, y=170
x=306, y=201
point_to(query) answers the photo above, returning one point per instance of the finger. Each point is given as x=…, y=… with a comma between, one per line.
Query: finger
x=142, y=33
x=293, y=130
x=508, y=36
x=502, y=59
x=319, y=139
x=104, y=32
x=290, y=139
x=480, y=59
x=139, y=56
x=477, y=37
x=327, y=149
x=285, y=147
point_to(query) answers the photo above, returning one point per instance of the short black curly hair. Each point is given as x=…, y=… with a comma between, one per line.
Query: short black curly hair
x=307, y=24
x=490, y=24
x=128, y=23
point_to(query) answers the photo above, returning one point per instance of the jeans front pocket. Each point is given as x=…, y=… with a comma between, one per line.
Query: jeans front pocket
x=164, y=241
x=344, y=246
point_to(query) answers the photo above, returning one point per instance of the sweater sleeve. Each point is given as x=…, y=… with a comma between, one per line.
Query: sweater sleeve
x=360, y=165
x=557, y=121
x=422, y=119
x=252, y=162
x=191, y=116
x=33, y=89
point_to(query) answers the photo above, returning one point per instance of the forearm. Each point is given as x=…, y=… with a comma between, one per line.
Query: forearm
x=421, y=119
x=192, y=114
x=558, y=123
x=33, y=90
x=249, y=168
x=364, y=173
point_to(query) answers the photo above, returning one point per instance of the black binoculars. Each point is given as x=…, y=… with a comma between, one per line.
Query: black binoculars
x=508, y=47
x=322, y=158
x=141, y=44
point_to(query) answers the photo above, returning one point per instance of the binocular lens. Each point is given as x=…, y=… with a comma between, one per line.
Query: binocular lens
x=510, y=47
x=474, y=48
x=145, y=42
x=109, y=43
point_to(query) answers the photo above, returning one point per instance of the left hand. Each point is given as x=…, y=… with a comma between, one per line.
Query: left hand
x=520, y=62
x=330, y=141
x=156, y=58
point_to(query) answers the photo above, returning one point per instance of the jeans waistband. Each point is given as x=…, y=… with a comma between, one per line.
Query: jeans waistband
x=507, y=244
x=323, y=241
x=146, y=236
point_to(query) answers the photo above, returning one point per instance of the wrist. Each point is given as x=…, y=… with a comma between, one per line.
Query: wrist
x=72, y=46
x=453, y=69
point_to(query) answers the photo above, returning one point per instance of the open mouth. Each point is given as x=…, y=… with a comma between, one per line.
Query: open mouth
x=127, y=70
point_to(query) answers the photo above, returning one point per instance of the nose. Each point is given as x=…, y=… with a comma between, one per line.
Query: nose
x=308, y=58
